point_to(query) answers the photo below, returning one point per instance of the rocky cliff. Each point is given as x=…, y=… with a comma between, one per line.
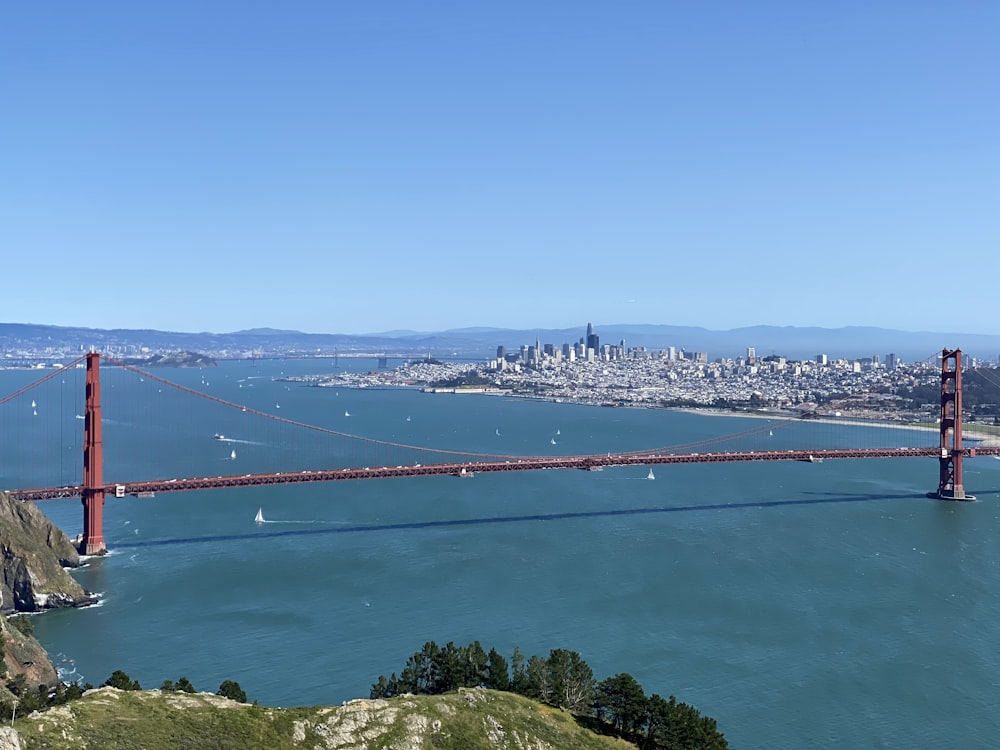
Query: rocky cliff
x=33, y=556
x=23, y=655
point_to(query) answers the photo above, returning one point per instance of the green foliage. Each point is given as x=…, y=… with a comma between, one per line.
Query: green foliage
x=232, y=690
x=563, y=679
x=455, y=721
x=497, y=675
x=184, y=685
x=571, y=679
x=23, y=624
x=122, y=681
x=678, y=726
x=620, y=701
x=168, y=686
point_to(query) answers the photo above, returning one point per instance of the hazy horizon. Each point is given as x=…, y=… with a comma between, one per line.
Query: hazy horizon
x=353, y=167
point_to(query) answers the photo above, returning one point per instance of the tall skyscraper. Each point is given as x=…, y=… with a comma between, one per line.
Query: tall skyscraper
x=751, y=355
x=593, y=340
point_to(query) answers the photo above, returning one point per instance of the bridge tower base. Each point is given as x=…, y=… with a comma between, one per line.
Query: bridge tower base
x=950, y=485
x=92, y=539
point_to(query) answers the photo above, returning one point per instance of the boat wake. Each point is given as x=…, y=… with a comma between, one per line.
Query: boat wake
x=259, y=518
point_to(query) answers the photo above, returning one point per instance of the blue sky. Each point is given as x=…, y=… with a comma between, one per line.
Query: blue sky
x=355, y=167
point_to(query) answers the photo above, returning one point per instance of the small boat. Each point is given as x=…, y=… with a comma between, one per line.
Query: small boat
x=232, y=455
x=558, y=431
x=259, y=518
x=813, y=460
x=347, y=413
x=770, y=433
x=34, y=412
x=33, y=404
x=553, y=441
x=407, y=419
x=498, y=432
x=219, y=436
x=650, y=475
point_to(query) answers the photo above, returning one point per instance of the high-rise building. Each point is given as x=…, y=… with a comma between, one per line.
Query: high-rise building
x=593, y=340
x=822, y=359
x=751, y=355
x=501, y=352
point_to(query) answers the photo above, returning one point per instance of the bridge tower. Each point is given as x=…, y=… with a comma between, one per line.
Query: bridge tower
x=950, y=482
x=92, y=541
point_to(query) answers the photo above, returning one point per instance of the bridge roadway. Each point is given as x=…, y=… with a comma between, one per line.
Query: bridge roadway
x=590, y=462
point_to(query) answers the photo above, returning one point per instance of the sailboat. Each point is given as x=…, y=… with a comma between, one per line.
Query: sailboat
x=33, y=404
x=553, y=441
x=650, y=475
x=498, y=432
x=770, y=433
x=259, y=518
x=558, y=431
x=347, y=413
x=407, y=419
x=232, y=455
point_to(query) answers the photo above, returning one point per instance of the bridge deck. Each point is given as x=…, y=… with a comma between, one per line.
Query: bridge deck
x=590, y=462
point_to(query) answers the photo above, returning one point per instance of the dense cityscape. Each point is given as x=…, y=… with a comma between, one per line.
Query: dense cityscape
x=616, y=375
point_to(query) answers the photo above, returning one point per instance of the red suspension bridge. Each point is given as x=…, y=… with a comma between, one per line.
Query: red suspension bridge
x=351, y=457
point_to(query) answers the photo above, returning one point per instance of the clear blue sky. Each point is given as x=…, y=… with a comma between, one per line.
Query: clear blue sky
x=366, y=166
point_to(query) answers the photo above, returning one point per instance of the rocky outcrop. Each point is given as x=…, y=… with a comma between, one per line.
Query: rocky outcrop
x=23, y=655
x=33, y=556
x=110, y=719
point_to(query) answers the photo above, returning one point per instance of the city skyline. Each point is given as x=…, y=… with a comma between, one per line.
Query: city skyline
x=331, y=168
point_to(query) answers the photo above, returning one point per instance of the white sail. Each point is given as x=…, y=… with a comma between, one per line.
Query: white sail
x=232, y=455
x=650, y=475
x=259, y=518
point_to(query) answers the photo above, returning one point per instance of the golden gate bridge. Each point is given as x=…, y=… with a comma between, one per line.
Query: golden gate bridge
x=346, y=456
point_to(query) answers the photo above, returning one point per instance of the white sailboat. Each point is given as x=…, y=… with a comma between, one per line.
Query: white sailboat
x=553, y=441
x=347, y=413
x=33, y=404
x=650, y=475
x=259, y=518
x=232, y=455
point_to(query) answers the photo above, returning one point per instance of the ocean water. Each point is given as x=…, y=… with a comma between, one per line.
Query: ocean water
x=820, y=605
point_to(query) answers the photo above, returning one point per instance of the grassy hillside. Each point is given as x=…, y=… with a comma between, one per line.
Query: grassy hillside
x=469, y=719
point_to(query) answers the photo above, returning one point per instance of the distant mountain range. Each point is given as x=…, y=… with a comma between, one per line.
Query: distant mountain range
x=481, y=343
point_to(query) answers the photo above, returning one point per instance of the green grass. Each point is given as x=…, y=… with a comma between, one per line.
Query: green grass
x=467, y=720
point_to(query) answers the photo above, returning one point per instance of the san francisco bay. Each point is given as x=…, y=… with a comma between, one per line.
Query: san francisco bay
x=826, y=605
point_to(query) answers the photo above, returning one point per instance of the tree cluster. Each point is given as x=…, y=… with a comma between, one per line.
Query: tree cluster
x=616, y=705
x=42, y=697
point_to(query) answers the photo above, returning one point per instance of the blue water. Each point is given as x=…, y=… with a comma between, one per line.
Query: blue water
x=822, y=605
